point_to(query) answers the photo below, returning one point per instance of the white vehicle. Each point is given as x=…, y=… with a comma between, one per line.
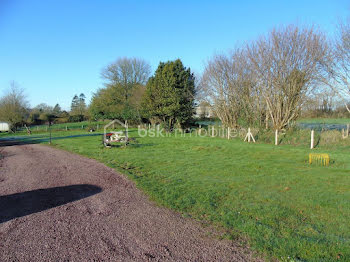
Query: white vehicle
x=4, y=127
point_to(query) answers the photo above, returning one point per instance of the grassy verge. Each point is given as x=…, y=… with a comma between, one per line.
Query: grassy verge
x=63, y=126
x=325, y=121
x=269, y=195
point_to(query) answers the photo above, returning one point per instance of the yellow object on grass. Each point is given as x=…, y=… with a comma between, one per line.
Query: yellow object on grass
x=322, y=159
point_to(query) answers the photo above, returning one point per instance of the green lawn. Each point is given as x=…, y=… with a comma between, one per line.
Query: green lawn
x=325, y=120
x=75, y=125
x=267, y=195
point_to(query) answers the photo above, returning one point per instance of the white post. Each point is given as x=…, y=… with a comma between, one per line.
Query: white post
x=276, y=137
x=249, y=135
x=200, y=130
x=212, y=131
x=252, y=137
x=228, y=133
x=312, y=139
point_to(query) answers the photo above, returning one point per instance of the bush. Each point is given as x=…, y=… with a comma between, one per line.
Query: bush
x=330, y=137
x=291, y=136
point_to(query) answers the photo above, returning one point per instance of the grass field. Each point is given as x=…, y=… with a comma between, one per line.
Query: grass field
x=343, y=121
x=63, y=126
x=267, y=195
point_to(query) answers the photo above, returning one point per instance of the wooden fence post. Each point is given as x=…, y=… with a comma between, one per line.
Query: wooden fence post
x=276, y=137
x=212, y=131
x=249, y=136
x=312, y=139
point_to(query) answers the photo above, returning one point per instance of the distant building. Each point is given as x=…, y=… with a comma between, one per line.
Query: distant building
x=204, y=112
x=4, y=127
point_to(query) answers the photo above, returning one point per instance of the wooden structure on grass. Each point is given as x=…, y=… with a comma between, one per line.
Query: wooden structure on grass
x=249, y=136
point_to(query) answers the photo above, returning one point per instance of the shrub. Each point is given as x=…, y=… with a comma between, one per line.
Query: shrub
x=330, y=137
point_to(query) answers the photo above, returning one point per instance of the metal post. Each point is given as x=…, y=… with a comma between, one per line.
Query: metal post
x=50, y=132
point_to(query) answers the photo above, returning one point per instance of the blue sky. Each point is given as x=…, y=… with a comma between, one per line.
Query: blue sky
x=55, y=49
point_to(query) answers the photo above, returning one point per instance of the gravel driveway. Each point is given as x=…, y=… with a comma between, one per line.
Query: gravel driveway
x=57, y=206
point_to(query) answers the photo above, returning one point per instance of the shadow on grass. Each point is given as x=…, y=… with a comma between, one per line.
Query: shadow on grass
x=30, y=202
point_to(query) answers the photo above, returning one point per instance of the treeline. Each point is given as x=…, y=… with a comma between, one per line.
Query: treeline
x=130, y=94
x=324, y=105
x=269, y=82
x=15, y=110
x=43, y=113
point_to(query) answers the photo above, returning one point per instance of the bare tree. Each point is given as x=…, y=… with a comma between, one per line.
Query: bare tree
x=230, y=83
x=268, y=79
x=14, y=106
x=340, y=71
x=289, y=63
x=126, y=74
x=124, y=87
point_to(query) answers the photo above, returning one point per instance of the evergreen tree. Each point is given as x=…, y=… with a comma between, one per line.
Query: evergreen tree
x=74, y=104
x=169, y=94
x=78, y=108
x=57, y=110
x=81, y=105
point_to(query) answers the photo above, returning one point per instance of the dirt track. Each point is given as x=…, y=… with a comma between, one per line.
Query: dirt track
x=57, y=206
